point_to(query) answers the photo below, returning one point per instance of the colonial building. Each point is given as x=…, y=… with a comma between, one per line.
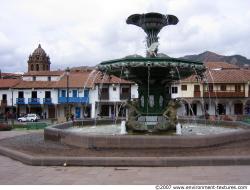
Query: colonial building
x=223, y=92
x=52, y=94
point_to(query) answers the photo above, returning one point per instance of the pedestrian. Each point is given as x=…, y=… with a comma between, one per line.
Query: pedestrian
x=72, y=117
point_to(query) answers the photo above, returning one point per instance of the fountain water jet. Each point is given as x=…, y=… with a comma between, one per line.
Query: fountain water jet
x=123, y=128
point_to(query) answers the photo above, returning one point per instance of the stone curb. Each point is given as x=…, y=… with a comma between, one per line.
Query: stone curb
x=125, y=161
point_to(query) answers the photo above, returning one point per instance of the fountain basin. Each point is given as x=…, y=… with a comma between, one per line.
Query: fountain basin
x=62, y=134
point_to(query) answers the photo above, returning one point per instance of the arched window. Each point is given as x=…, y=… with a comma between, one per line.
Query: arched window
x=37, y=67
x=44, y=67
x=32, y=67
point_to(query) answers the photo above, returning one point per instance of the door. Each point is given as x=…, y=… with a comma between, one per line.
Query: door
x=221, y=109
x=78, y=112
x=20, y=94
x=238, y=109
x=74, y=93
x=52, y=112
x=104, y=110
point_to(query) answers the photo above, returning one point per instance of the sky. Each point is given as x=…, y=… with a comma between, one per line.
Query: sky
x=86, y=32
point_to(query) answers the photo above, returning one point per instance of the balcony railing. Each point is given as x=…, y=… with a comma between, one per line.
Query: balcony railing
x=47, y=101
x=20, y=101
x=197, y=94
x=63, y=100
x=125, y=96
x=34, y=100
x=3, y=103
x=224, y=94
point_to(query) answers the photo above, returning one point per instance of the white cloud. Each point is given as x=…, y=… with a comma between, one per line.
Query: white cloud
x=80, y=32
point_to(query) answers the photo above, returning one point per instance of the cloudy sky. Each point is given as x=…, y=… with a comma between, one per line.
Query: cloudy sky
x=86, y=32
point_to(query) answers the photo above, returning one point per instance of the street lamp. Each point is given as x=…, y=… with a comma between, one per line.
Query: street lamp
x=68, y=109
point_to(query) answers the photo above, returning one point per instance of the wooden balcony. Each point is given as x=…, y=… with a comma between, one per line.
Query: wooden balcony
x=224, y=94
x=197, y=94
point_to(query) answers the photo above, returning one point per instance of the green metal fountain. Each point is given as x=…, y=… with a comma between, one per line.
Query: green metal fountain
x=153, y=73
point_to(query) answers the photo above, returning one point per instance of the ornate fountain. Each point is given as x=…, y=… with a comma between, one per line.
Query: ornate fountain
x=153, y=74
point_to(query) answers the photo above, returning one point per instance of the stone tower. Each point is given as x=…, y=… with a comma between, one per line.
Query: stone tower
x=39, y=61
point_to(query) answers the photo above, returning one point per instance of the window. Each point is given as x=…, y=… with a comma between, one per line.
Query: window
x=223, y=87
x=34, y=78
x=114, y=88
x=74, y=93
x=210, y=88
x=32, y=67
x=34, y=94
x=174, y=90
x=49, y=78
x=167, y=90
x=125, y=90
x=47, y=94
x=86, y=93
x=197, y=88
x=37, y=67
x=104, y=90
x=184, y=87
x=20, y=94
x=63, y=93
x=237, y=88
x=4, y=97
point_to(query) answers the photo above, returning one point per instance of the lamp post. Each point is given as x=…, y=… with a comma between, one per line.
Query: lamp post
x=68, y=109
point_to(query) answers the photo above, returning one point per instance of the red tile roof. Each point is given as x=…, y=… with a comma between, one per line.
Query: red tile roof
x=222, y=76
x=43, y=73
x=110, y=79
x=77, y=79
x=8, y=83
x=220, y=65
x=36, y=84
x=221, y=72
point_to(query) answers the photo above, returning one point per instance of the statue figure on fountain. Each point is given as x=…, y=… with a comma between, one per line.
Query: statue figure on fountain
x=133, y=114
x=153, y=49
x=170, y=113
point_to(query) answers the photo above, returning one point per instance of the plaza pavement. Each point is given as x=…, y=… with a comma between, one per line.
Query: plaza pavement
x=14, y=172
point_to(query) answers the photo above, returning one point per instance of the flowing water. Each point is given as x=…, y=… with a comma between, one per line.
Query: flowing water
x=187, y=129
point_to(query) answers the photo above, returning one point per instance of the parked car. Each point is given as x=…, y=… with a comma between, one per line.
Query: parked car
x=29, y=117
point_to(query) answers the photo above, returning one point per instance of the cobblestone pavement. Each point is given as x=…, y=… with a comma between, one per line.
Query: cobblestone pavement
x=8, y=134
x=14, y=172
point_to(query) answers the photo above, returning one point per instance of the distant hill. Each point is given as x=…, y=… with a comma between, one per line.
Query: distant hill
x=209, y=56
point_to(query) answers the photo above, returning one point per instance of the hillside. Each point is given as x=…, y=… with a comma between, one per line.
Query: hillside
x=213, y=57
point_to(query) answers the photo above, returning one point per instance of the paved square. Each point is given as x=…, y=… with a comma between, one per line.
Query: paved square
x=14, y=172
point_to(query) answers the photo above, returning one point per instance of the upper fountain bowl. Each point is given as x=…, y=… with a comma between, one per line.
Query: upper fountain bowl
x=152, y=21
